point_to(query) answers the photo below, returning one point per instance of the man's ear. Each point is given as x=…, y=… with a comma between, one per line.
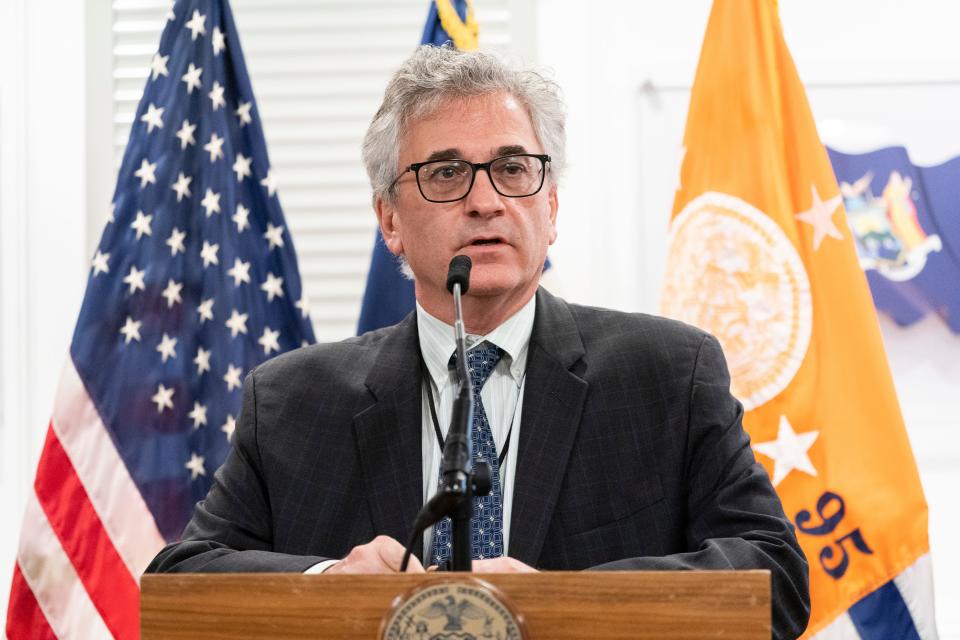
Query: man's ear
x=554, y=206
x=389, y=225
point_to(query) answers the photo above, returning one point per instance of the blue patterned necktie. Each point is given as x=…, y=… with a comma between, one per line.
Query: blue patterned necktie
x=487, y=525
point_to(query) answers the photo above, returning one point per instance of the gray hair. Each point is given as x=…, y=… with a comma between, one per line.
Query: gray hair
x=434, y=74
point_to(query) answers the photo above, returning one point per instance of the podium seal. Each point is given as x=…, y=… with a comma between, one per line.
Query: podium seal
x=454, y=609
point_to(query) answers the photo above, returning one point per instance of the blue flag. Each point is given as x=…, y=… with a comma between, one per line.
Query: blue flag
x=906, y=230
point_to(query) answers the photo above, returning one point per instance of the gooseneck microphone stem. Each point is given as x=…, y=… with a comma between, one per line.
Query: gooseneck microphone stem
x=458, y=467
x=459, y=336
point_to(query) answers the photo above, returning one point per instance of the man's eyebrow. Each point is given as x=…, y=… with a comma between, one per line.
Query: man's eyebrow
x=455, y=154
x=446, y=154
x=510, y=150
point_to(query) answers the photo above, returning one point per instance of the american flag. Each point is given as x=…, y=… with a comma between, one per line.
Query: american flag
x=193, y=284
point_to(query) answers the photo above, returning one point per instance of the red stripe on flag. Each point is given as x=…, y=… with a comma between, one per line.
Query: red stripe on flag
x=25, y=619
x=72, y=517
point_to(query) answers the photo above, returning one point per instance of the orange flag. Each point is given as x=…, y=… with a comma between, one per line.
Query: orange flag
x=761, y=256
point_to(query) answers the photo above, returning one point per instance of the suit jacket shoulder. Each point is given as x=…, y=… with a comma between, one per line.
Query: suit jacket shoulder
x=607, y=332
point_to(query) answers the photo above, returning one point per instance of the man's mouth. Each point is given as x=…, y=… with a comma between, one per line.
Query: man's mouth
x=484, y=242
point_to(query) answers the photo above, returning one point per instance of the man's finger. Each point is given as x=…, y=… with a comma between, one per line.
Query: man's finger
x=389, y=551
x=415, y=566
x=501, y=565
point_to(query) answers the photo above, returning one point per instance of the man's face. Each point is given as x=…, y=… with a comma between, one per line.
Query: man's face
x=506, y=238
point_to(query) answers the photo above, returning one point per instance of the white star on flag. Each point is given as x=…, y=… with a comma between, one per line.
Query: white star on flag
x=209, y=254
x=100, y=263
x=153, y=117
x=158, y=66
x=167, y=347
x=274, y=235
x=241, y=217
x=202, y=360
x=175, y=241
x=304, y=305
x=216, y=96
x=135, y=279
x=195, y=466
x=788, y=451
x=237, y=323
x=185, y=133
x=198, y=415
x=192, y=77
x=172, y=292
x=218, y=41
x=163, y=398
x=211, y=202
x=229, y=426
x=113, y=208
x=196, y=24
x=146, y=173
x=215, y=146
x=270, y=182
x=131, y=330
x=142, y=224
x=820, y=217
x=232, y=377
x=182, y=186
x=240, y=272
x=272, y=286
x=205, y=309
x=243, y=113
x=241, y=167
x=269, y=340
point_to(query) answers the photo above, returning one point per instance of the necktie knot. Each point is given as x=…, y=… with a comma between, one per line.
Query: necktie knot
x=481, y=361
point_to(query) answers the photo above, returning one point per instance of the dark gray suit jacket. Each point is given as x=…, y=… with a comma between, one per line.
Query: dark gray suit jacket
x=631, y=456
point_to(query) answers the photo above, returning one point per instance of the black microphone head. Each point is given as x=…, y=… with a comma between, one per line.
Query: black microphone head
x=459, y=272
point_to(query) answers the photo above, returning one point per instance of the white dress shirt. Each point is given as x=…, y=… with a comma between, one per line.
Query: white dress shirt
x=502, y=397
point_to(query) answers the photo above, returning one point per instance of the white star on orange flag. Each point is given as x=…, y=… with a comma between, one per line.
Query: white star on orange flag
x=820, y=216
x=789, y=451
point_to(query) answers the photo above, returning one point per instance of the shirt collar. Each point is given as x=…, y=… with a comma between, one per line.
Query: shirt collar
x=512, y=336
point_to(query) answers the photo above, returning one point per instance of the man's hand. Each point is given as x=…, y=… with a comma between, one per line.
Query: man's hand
x=383, y=554
x=504, y=564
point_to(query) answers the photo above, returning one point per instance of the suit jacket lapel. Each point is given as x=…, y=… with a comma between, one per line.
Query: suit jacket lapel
x=388, y=434
x=552, y=403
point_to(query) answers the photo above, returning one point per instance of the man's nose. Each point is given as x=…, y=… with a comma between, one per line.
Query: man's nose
x=483, y=199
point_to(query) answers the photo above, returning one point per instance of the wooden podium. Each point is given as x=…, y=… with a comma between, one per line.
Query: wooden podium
x=554, y=605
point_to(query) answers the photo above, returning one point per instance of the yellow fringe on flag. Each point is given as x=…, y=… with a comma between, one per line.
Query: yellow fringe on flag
x=465, y=34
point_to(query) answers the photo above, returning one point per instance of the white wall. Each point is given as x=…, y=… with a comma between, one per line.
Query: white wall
x=627, y=86
x=42, y=230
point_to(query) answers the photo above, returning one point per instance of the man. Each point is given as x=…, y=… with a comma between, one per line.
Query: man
x=614, y=440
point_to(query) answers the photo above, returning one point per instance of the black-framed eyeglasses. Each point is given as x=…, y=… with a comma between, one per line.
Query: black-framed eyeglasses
x=514, y=176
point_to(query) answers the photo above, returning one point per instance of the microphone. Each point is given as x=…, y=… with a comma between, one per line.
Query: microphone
x=459, y=273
